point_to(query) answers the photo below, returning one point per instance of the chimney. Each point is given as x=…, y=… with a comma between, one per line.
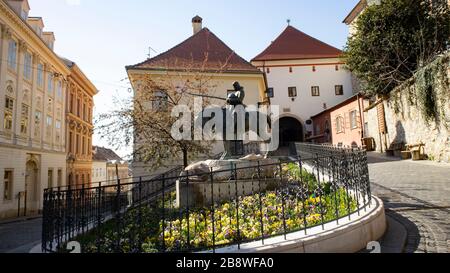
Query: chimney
x=197, y=24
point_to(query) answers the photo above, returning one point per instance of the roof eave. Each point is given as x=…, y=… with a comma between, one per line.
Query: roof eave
x=296, y=59
x=160, y=69
x=354, y=12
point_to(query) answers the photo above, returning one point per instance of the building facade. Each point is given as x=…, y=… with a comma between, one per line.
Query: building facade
x=79, y=111
x=108, y=167
x=305, y=76
x=98, y=171
x=32, y=102
x=343, y=124
x=203, y=57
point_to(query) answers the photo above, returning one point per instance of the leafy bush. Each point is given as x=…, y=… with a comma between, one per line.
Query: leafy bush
x=394, y=39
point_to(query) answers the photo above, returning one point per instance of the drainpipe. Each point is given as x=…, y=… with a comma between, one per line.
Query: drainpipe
x=361, y=120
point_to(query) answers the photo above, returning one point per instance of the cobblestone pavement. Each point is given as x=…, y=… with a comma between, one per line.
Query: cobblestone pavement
x=20, y=236
x=417, y=194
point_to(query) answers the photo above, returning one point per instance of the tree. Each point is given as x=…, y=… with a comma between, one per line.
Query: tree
x=394, y=39
x=145, y=120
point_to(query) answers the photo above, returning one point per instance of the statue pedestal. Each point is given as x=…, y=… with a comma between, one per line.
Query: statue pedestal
x=230, y=178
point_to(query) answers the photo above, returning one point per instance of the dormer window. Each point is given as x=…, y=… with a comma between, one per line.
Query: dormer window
x=24, y=15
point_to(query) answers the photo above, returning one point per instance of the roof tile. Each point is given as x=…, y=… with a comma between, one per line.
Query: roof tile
x=203, y=51
x=293, y=44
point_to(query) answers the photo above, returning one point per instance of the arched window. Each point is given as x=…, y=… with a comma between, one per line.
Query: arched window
x=340, y=124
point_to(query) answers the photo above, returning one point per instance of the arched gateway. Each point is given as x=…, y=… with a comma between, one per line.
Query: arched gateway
x=291, y=130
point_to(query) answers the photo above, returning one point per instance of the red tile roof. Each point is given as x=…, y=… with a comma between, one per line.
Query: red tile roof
x=293, y=44
x=203, y=51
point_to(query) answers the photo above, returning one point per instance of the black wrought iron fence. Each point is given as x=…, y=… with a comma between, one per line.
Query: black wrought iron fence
x=229, y=205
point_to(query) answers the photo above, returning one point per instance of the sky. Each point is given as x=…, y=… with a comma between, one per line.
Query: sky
x=103, y=36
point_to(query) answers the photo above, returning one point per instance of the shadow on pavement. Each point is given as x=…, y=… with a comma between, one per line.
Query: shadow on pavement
x=374, y=157
x=412, y=236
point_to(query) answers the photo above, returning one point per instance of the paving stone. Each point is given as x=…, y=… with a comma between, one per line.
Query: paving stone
x=417, y=195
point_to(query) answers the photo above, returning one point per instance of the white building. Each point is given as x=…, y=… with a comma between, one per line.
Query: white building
x=32, y=115
x=305, y=76
x=106, y=165
x=98, y=171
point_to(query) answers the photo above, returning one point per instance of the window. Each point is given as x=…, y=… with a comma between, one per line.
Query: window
x=160, y=101
x=268, y=70
x=8, y=185
x=292, y=92
x=339, y=124
x=71, y=103
x=77, y=143
x=58, y=130
x=40, y=75
x=59, y=90
x=59, y=178
x=89, y=115
x=315, y=91
x=9, y=109
x=70, y=142
x=24, y=119
x=37, y=123
x=49, y=126
x=27, y=66
x=270, y=92
x=50, y=83
x=83, y=146
x=353, y=120
x=84, y=111
x=78, y=107
x=50, y=178
x=339, y=90
x=12, y=54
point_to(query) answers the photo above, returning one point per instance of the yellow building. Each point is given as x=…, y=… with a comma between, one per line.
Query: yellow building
x=203, y=55
x=32, y=103
x=80, y=104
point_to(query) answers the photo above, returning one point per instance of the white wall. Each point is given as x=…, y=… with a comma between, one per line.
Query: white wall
x=15, y=159
x=305, y=105
x=98, y=171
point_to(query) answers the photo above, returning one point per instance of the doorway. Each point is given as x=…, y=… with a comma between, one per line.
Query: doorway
x=31, y=188
x=291, y=130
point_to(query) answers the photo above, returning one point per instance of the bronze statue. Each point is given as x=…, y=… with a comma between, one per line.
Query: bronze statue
x=237, y=97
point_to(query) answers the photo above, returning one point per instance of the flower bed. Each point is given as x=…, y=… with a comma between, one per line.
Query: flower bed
x=300, y=202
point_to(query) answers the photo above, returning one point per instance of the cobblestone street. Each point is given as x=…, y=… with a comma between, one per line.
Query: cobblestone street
x=416, y=194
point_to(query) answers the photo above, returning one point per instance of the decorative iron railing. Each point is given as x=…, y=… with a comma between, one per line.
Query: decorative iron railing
x=248, y=201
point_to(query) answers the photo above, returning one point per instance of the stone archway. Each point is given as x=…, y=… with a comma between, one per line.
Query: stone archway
x=32, y=188
x=291, y=130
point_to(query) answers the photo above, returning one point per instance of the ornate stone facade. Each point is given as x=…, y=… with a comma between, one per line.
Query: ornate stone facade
x=32, y=99
x=80, y=129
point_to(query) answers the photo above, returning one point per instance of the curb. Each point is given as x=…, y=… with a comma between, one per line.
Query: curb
x=21, y=219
